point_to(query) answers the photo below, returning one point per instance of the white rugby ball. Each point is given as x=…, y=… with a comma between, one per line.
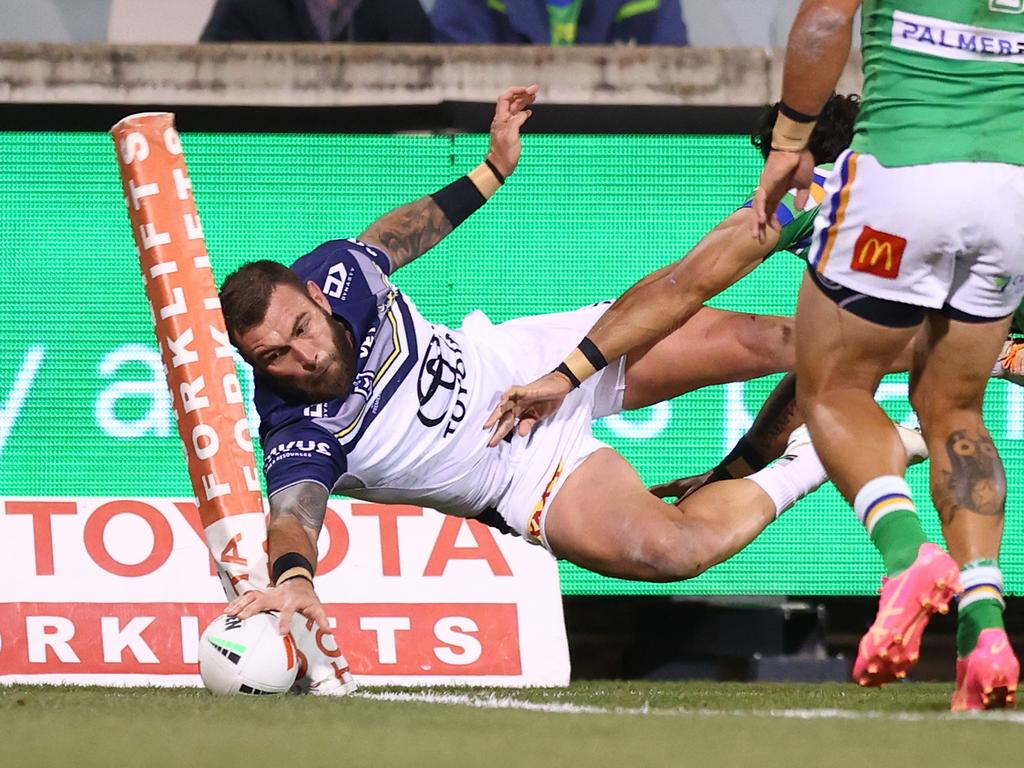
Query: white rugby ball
x=247, y=656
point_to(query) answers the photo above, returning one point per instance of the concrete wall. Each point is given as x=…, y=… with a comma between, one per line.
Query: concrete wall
x=374, y=75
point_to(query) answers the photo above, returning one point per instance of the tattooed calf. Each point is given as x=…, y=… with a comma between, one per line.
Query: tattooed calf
x=975, y=480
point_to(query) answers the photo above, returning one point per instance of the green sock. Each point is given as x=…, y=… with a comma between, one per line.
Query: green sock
x=888, y=513
x=983, y=614
x=981, y=604
x=898, y=537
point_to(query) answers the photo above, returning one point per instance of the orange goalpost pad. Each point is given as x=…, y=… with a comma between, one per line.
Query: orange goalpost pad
x=194, y=345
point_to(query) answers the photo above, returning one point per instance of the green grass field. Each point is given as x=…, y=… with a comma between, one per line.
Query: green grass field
x=589, y=724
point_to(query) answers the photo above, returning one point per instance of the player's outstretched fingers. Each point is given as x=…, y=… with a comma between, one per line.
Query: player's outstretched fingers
x=318, y=614
x=240, y=603
x=506, y=101
x=284, y=623
x=760, y=216
x=526, y=424
x=505, y=425
x=524, y=98
x=522, y=117
x=681, y=488
x=502, y=418
x=496, y=414
x=262, y=601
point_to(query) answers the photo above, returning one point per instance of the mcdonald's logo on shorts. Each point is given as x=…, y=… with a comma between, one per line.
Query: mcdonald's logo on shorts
x=878, y=253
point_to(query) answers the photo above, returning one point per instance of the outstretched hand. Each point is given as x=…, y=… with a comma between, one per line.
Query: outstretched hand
x=524, y=406
x=294, y=596
x=782, y=171
x=681, y=488
x=510, y=113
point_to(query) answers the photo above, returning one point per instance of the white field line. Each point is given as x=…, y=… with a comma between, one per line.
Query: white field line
x=493, y=701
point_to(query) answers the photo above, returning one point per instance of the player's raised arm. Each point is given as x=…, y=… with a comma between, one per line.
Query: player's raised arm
x=819, y=45
x=413, y=229
x=296, y=516
x=665, y=300
x=655, y=306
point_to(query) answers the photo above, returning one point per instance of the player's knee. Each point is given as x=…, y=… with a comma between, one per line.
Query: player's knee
x=941, y=414
x=935, y=407
x=669, y=556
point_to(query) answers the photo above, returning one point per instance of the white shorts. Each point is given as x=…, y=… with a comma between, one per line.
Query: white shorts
x=542, y=461
x=928, y=235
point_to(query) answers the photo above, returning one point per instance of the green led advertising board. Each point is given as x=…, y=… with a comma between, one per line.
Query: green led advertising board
x=84, y=410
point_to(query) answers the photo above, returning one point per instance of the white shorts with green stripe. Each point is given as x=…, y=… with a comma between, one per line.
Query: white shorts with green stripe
x=928, y=235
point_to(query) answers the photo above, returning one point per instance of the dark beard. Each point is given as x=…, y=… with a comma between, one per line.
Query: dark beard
x=330, y=390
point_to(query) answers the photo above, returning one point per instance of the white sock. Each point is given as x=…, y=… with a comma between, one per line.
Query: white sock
x=878, y=497
x=982, y=580
x=792, y=477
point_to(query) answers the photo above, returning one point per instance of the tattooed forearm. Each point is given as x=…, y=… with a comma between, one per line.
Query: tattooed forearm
x=777, y=418
x=975, y=480
x=306, y=502
x=409, y=231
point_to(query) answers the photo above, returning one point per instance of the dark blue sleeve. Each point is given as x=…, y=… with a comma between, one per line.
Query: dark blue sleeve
x=316, y=264
x=300, y=451
x=376, y=255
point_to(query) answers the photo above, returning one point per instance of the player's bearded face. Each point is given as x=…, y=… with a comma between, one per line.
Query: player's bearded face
x=301, y=348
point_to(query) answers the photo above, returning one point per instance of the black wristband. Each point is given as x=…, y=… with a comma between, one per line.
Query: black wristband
x=494, y=169
x=592, y=353
x=796, y=116
x=287, y=561
x=567, y=372
x=458, y=200
x=742, y=450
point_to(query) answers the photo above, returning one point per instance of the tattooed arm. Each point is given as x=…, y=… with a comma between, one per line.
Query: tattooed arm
x=762, y=444
x=409, y=231
x=296, y=516
x=413, y=229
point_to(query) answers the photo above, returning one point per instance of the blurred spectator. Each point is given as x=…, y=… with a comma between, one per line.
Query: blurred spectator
x=360, y=21
x=559, y=22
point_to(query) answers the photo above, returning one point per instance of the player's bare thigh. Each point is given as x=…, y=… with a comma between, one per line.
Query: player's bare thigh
x=714, y=347
x=605, y=519
x=603, y=516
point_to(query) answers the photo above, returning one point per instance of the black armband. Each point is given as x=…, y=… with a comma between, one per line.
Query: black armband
x=795, y=115
x=592, y=353
x=288, y=562
x=566, y=371
x=458, y=200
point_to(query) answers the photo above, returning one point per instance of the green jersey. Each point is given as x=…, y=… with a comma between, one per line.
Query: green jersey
x=798, y=226
x=943, y=81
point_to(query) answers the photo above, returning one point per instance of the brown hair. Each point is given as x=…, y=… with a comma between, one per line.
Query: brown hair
x=831, y=135
x=245, y=294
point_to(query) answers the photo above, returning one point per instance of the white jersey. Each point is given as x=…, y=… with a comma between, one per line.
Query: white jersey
x=411, y=430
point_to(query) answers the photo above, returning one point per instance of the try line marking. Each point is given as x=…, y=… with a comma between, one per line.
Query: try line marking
x=493, y=701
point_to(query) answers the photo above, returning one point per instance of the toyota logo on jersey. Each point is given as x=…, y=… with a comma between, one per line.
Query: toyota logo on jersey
x=440, y=382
